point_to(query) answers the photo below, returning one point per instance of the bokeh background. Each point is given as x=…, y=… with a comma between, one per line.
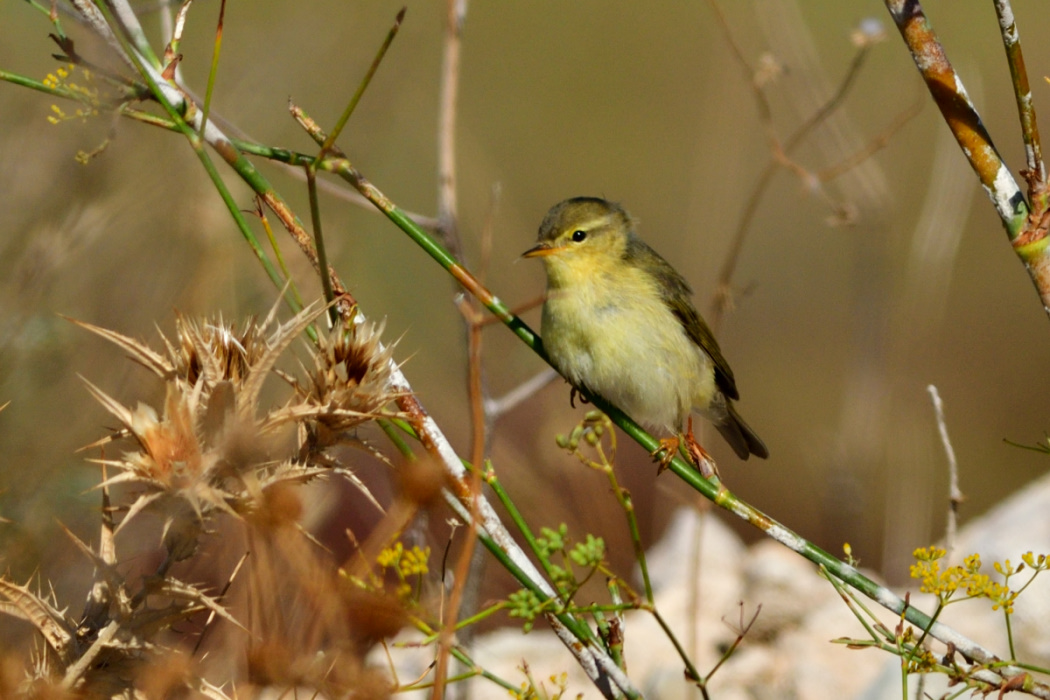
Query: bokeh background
x=837, y=328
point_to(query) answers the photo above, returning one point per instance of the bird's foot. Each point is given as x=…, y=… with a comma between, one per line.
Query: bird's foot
x=696, y=453
x=699, y=456
x=665, y=453
x=576, y=393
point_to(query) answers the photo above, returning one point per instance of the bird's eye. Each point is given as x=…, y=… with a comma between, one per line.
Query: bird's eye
x=578, y=236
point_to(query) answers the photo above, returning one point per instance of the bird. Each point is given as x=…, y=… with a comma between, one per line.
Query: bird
x=618, y=322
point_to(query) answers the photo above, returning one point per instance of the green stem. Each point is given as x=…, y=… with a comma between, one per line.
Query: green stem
x=330, y=141
x=213, y=71
x=690, y=669
x=276, y=248
x=196, y=143
x=516, y=517
x=614, y=643
x=322, y=255
x=59, y=32
x=394, y=433
x=474, y=671
x=578, y=628
x=131, y=31
x=54, y=91
x=1009, y=633
x=941, y=604
x=479, y=616
x=623, y=497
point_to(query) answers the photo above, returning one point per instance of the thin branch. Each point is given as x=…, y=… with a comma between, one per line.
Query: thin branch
x=214, y=70
x=319, y=246
x=1023, y=94
x=448, y=221
x=1027, y=229
x=466, y=555
x=876, y=144
x=365, y=82
x=946, y=88
x=334, y=189
x=955, y=495
x=447, y=204
x=495, y=408
x=834, y=102
x=780, y=154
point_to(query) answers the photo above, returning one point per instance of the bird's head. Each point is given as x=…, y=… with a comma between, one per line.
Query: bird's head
x=582, y=236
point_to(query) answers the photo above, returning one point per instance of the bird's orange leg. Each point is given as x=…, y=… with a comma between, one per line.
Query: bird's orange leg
x=665, y=452
x=699, y=456
x=693, y=449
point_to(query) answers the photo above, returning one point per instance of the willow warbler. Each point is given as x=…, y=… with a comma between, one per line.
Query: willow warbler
x=618, y=322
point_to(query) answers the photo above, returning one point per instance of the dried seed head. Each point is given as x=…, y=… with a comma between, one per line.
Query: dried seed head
x=215, y=351
x=209, y=450
x=171, y=453
x=350, y=382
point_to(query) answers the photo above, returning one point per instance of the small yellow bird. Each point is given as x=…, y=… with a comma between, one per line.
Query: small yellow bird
x=618, y=322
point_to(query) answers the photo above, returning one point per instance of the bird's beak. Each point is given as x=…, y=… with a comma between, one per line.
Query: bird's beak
x=540, y=250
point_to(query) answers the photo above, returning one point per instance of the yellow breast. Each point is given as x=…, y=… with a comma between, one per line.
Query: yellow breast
x=606, y=327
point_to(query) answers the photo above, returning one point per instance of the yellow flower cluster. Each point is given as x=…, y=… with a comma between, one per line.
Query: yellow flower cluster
x=86, y=96
x=407, y=564
x=968, y=577
x=528, y=690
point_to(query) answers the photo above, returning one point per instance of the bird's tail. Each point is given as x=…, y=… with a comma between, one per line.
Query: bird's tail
x=739, y=434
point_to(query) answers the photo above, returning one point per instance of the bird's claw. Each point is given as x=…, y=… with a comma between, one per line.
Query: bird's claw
x=700, y=458
x=665, y=453
x=576, y=393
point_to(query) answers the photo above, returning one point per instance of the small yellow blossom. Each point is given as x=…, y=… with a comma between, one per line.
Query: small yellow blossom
x=968, y=577
x=414, y=562
x=390, y=556
x=85, y=95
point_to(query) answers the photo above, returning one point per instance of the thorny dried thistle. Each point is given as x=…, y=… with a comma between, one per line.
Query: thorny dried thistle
x=209, y=449
x=349, y=384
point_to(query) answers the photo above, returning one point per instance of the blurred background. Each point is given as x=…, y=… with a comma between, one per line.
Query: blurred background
x=848, y=302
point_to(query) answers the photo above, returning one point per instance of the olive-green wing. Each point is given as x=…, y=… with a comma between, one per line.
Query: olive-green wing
x=676, y=292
